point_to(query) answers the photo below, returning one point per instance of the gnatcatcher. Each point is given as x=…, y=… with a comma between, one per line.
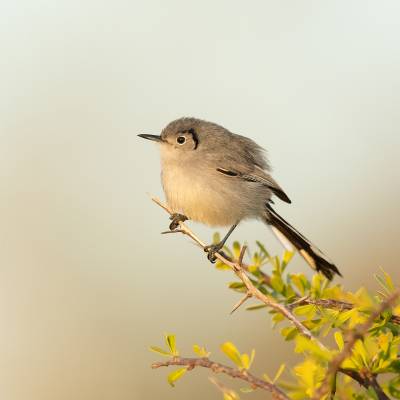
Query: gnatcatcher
x=216, y=177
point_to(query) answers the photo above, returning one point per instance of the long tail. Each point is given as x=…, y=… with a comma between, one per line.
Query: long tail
x=290, y=238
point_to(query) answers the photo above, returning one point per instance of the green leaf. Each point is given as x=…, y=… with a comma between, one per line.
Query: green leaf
x=216, y=238
x=289, y=333
x=339, y=340
x=395, y=366
x=253, y=269
x=316, y=285
x=160, y=351
x=267, y=378
x=256, y=260
x=362, y=298
x=257, y=307
x=238, y=287
x=359, y=350
x=200, y=351
x=356, y=318
x=263, y=250
x=171, y=342
x=252, y=355
x=229, y=349
x=236, y=249
x=310, y=374
x=230, y=395
x=300, y=282
x=382, y=282
x=312, y=323
x=307, y=310
x=246, y=360
x=175, y=375
x=388, y=280
x=279, y=372
x=221, y=266
x=278, y=317
x=344, y=316
x=277, y=264
x=277, y=282
x=287, y=256
x=385, y=340
x=310, y=346
x=289, y=293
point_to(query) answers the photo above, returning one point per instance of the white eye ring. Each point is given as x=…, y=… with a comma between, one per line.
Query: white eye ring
x=181, y=140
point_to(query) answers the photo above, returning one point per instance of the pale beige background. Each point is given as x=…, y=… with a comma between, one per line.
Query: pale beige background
x=86, y=281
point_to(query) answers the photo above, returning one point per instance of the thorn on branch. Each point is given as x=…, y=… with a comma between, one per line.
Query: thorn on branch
x=241, y=301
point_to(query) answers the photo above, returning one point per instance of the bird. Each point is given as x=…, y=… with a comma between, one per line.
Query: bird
x=213, y=176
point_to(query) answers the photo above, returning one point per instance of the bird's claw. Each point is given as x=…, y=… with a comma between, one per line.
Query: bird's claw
x=211, y=251
x=176, y=219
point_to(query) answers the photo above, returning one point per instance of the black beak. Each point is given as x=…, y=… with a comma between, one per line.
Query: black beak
x=155, y=138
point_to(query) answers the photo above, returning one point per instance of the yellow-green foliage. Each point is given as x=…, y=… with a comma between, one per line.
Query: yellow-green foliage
x=376, y=354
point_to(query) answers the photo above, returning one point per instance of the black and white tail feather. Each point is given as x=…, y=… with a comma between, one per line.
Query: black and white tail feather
x=291, y=238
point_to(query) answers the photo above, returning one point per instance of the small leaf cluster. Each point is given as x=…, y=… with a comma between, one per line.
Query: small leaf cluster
x=242, y=361
x=172, y=351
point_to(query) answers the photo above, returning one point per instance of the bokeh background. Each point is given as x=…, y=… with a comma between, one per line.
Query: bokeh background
x=87, y=283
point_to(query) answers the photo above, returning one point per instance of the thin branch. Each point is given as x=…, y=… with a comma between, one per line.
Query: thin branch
x=365, y=381
x=323, y=303
x=378, y=390
x=334, y=305
x=251, y=289
x=216, y=367
x=355, y=375
x=357, y=333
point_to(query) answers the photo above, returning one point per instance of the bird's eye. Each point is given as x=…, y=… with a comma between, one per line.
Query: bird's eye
x=181, y=139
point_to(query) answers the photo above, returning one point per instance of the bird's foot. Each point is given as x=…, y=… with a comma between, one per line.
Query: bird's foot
x=176, y=218
x=212, y=250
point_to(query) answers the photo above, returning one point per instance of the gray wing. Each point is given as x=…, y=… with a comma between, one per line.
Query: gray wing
x=259, y=176
x=239, y=157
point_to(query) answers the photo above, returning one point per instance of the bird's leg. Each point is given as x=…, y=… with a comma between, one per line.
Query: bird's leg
x=176, y=218
x=215, y=248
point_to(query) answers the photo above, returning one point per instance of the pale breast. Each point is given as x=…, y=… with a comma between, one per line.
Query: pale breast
x=200, y=199
x=195, y=188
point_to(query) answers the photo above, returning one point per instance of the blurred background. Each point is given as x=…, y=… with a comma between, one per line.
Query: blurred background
x=86, y=281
